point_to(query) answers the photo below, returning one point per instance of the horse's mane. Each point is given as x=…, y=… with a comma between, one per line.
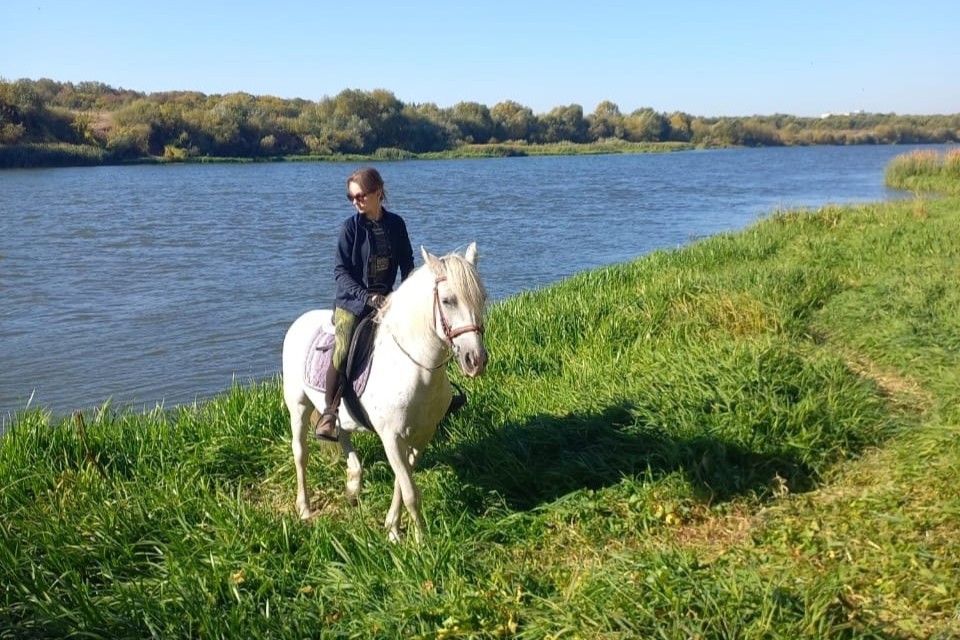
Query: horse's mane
x=408, y=306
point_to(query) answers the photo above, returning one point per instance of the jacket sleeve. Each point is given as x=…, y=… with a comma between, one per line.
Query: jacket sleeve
x=344, y=270
x=404, y=252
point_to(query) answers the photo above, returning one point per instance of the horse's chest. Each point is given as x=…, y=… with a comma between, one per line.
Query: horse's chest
x=415, y=416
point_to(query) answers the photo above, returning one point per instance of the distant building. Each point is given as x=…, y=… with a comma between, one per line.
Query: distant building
x=858, y=112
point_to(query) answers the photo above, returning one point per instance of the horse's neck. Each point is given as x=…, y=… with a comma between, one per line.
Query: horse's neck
x=425, y=353
x=406, y=334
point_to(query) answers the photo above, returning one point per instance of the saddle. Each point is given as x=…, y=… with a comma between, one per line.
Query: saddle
x=359, y=361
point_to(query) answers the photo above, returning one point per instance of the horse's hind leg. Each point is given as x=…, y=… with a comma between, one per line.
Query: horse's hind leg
x=299, y=421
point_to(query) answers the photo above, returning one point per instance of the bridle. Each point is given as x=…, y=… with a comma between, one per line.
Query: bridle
x=449, y=332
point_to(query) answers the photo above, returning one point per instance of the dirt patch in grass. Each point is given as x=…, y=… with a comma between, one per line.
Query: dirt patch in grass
x=102, y=124
x=714, y=535
x=902, y=391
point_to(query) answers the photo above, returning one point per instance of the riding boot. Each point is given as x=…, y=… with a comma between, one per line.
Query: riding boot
x=326, y=428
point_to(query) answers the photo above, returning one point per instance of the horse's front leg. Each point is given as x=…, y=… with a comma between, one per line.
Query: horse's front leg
x=299, y=418
x=354, y=468
x=402, y=459
x=392, y=522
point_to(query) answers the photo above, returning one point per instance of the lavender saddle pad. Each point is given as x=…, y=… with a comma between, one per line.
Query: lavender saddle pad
x=319, y=357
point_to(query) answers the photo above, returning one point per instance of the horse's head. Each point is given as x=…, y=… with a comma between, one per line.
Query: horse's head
x=459, y=298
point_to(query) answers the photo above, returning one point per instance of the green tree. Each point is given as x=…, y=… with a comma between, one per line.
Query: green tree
x=606, y=121
x=361, y=122
x=754, y=132
x=646, y=125
x=513, y=121
x=474, y=121
x=564, y=124
x=428, y=128
x=129, y=141
x=680, y=127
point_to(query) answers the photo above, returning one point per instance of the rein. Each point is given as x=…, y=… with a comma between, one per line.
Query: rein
x=449, y=332
x=414, y=360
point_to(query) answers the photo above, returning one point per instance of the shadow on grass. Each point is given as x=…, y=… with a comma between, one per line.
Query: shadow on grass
x=548, y=456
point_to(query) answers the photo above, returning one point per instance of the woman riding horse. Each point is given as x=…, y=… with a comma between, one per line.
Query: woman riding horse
x=373, y=245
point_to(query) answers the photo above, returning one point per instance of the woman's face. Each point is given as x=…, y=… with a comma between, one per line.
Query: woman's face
x=365, y=203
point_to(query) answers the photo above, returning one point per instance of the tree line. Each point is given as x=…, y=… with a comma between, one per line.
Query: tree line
x=119, y=125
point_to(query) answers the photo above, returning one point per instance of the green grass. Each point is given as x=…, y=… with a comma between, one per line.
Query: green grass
x=755, y=436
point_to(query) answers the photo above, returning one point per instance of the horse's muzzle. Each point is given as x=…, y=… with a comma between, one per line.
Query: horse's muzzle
x=473, y=362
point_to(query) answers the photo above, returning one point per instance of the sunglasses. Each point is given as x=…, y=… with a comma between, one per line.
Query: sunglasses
x=357, y=197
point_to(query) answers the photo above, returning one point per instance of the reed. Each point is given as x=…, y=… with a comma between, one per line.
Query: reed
x=925, y=171
x=951, y=164
x=57, y=154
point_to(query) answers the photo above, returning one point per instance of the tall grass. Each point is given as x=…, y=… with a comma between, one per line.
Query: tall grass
x=25, y=156
x=755, y=437
x=512, y=149
x=925, y=171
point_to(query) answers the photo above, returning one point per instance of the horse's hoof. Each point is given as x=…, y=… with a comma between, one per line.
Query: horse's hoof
x=305, y=513
x=352, y=492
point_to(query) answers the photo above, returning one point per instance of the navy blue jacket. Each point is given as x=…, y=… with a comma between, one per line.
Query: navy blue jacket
x=353, y=254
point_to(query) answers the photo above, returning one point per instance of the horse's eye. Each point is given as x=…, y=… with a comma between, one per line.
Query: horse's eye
x=449, y=301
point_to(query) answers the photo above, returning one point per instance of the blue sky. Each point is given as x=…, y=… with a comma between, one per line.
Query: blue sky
x=704, y=58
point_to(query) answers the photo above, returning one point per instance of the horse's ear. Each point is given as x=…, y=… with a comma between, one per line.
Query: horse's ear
x=430, y=260
x=471, y=254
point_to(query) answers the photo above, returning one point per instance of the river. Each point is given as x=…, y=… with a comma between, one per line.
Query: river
x=153, y=285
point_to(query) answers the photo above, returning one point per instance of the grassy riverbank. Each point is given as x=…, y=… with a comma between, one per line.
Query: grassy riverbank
x=69, y=155
x=756, y=436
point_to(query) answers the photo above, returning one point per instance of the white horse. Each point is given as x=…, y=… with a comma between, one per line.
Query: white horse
x=434, y=315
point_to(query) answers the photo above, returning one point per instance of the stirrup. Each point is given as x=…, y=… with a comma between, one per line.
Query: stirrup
x=335, y=436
